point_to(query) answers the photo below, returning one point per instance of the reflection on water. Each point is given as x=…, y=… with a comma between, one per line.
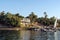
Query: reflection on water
x=24, y=35
x=9, y=35
x=29, y=35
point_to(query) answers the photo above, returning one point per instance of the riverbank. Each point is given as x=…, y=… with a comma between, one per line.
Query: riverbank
x=25, y=28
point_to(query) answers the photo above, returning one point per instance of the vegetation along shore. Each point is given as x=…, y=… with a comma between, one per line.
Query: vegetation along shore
x=10, y=20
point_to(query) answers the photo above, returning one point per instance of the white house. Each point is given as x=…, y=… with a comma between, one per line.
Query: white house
x=25, y=21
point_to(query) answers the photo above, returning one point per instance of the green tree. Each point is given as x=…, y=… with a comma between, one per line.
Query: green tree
x=32, y=17
x=52, y=20
x=2, y=17
x=2, y=13
x=45, y=15
x=20, y=16
x=17, y=14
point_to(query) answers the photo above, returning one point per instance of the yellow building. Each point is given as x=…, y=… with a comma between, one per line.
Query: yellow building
x=25, y=22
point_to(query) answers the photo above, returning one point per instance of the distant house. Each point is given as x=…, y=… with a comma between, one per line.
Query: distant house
x=25, y=21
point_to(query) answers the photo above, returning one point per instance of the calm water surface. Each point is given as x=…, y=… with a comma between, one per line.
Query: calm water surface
x=29, y=35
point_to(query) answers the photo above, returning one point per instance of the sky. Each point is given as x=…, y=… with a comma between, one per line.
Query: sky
x=25, y=7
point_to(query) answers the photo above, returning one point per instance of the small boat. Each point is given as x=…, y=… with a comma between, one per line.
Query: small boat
x=35, y=29
x=48, y=30
x=42, y=30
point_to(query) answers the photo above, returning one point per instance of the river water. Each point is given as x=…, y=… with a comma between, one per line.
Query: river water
x=29, y=35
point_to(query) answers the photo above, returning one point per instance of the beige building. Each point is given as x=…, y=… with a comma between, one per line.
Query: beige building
x=25, y=22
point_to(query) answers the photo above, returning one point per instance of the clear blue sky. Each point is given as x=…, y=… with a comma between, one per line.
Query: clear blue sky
x=25, y=7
